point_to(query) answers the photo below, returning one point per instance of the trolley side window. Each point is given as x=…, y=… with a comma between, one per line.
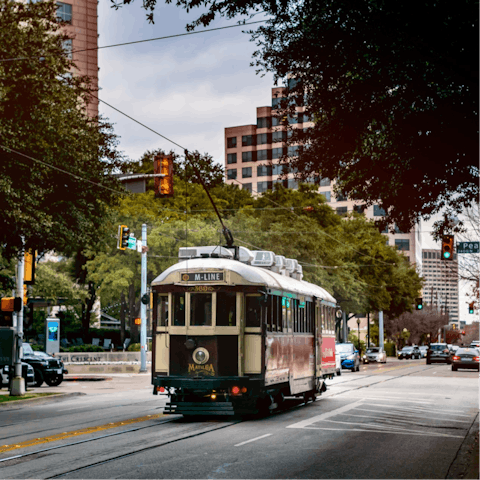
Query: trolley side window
x=200, y=309
x=226, y=309
x=179, y=309
x=162, y=310
x=254, y=310
x=277, y=313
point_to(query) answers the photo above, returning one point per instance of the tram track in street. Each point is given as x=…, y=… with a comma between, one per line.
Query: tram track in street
x=20, y=458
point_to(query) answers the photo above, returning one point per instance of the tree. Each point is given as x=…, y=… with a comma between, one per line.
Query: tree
x=392, y=91
x=56, y=163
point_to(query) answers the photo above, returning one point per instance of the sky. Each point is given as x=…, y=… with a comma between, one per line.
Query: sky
x=188, y=88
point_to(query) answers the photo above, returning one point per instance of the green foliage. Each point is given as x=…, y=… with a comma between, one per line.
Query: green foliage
x=84, y=348
x=390, y=349
x=56, y=163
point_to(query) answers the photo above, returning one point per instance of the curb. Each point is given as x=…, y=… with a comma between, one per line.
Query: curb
x=48, y=399
x=466, y=462
x=85, y=378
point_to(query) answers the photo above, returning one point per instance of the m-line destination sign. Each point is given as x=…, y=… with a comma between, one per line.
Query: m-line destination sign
x=468, y=247
x=203, y=277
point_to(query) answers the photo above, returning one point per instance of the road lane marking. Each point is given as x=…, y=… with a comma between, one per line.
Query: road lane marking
x=419, y=411
x=252, y=440
x=318, y=418
x=404, y=415
x=389, y=432
x=76, y=433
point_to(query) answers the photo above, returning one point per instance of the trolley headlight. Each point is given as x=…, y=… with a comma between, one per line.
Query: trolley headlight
x=200, y=356
x=351, y=357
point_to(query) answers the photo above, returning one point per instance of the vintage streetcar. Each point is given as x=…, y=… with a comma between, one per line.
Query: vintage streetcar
x=238, y=336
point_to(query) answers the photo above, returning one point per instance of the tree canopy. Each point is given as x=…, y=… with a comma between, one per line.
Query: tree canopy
x=56, y=163
x=392, y=90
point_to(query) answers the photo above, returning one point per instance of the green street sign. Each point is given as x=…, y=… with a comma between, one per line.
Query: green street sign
x=132, y=243
x=468, y=247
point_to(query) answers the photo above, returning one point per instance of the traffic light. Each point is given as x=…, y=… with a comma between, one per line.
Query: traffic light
x=138, y=321
x=470, y=308
x=419, y=304
x=447, y=247
x=29, y=268
x=454, y=326
x=123, y=236
x=11, y=304
x=163, y=164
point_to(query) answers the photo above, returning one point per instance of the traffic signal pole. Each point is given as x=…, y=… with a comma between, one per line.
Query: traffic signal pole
x=18, y=382
x=143, y=306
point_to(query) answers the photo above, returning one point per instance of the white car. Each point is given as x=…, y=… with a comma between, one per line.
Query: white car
x=374, y=354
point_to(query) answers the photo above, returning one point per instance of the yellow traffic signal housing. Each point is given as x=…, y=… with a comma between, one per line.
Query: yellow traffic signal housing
x=163, y=164
x=11, y=304
x=138, y=321
x=29, y=267
x=123, y=236
x=447, y=247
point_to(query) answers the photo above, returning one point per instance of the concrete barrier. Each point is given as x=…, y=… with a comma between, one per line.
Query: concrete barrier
x=101, y=357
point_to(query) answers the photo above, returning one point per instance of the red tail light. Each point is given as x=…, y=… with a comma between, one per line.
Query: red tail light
x=456, y=358
x=235, y=390
x=477, y=359
x=244, y=390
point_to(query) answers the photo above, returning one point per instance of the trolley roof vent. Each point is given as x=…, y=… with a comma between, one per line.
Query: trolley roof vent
x=279, y=266
x=291, y=265
x=263, y=258
x=214, y=251
x=298, y=274
x=245, y=255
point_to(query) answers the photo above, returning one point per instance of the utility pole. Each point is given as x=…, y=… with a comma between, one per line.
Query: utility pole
x=143, y=305
x=18, y=382
x=380, y=329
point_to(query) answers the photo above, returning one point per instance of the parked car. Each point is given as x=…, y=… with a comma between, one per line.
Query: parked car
x=423, y=350
x=374, y=354
x=27, y=373
x=409, y=352
x=338, y=362
x=349, y=356
x=466, y=357
x=475, y=344
x=47, y=369
x=438, y=352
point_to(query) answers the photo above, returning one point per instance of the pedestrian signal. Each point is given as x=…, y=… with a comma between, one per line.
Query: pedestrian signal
x=447, y=247
x=163, y=165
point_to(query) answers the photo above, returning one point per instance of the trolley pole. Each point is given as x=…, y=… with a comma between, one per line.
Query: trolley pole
x=143, y=306
x=380, y=328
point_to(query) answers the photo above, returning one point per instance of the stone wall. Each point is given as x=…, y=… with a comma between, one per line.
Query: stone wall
x=101, y=357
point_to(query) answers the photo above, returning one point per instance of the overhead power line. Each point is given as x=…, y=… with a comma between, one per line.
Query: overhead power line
x=139, y=41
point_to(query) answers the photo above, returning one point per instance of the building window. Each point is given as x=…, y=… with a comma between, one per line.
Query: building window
x=231, y=158
x=378, y=212
x=247, y=186
x=279, y=136
x=68, y=48
x=293, y=151
x=264, y=171
x=277, y=152
x=264, y=186
x=247, y=140
x=325, y=182
x=397, y=230
x=246, y=172
x=264, y=154
x=276, y=102
x=264, y=122
x=279, y=169
x=359, y=208
x=327, y=195
x=248, y=157
x=341, y=210
x=402, y=244
x=341, y=198
x=231, y=142
x=232, y=174
x=64, y=12
x=262, y=138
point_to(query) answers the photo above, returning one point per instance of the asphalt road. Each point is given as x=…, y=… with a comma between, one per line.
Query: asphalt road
x=404, y=419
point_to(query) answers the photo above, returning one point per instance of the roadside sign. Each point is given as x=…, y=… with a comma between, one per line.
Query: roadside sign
x=132, y=243
x=468, y=247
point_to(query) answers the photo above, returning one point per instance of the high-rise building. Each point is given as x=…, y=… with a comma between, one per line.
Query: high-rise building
x=252, y=154
x=79, y=18
x=441, y=283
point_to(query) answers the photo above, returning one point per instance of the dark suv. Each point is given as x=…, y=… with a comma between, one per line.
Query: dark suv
x=47, y=368
x=438, y=352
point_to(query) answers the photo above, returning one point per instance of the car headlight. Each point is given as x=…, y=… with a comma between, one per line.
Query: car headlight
x=351, y=357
